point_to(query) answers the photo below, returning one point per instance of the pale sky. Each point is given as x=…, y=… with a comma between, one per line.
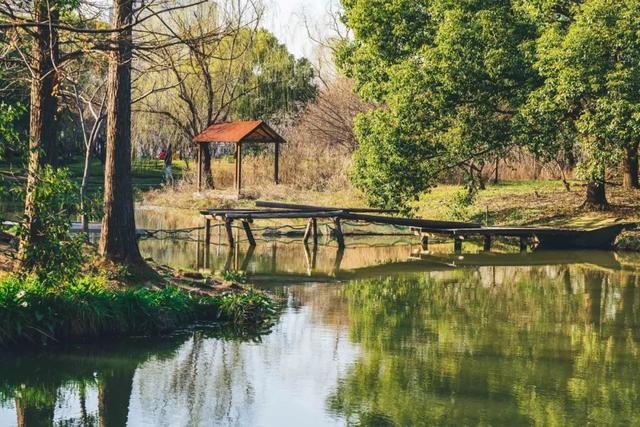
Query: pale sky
x=285, y=19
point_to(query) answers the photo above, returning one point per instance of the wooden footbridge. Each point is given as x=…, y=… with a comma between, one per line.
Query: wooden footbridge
x=539, y=237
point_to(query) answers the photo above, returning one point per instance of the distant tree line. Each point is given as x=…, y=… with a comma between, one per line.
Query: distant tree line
x=457, y=84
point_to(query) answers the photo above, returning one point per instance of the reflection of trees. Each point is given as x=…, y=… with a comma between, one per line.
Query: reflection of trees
x=545, y=345
x=35, y=407
x=36, y=382
x=113, y=398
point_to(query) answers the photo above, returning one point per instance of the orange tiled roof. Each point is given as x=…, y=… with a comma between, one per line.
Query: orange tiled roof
x=247, y=131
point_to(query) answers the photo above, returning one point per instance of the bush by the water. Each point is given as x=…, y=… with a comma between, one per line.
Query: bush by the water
x=54, y=253
x=32, y=312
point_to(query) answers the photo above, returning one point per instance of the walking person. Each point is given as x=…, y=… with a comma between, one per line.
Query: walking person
x=168, y=161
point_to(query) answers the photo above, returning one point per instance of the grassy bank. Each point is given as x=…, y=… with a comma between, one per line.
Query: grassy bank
x=146, y=174
x=89, y=307
x=544, y=202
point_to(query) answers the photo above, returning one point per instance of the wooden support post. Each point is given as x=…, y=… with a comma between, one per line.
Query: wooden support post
x=314, y=223
x=207, y=232
x=487, y=243
x=339, y=234
x=247, y=231
x=523, y=244
x=338, y=261
x=457, y=244
x=227, y=227
x=200, y=149
x=247, y=258
x=228, y=263
x=207, y=242
x=314, y=257
x=307, y=231
x=276, y=165
x=238, y=167
x=424, y=241
x=198, y=251
x=307, y=257
x=274, y=257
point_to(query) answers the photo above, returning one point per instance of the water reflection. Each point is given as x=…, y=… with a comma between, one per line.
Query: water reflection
x=408, y=338
x=543, y=345
x=278, y=261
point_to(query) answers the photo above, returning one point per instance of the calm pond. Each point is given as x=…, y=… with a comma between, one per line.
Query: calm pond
x=377, y=335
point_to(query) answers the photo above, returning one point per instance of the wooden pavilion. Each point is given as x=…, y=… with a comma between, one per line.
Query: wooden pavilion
x=238, y=133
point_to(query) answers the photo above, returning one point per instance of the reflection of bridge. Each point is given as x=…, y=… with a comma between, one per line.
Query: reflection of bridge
x=301, y=262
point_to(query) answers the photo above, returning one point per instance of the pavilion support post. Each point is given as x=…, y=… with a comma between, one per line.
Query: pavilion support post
x=276, y=166
x=228, y=229
x=247, y=231
x=238, y=167
x=307, y=231
x=314, y=223
x=339, y=234
x=200, y=149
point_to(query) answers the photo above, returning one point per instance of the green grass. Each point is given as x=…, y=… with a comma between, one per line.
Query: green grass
x=543, y=202
x=87, y=308
x=146, y=173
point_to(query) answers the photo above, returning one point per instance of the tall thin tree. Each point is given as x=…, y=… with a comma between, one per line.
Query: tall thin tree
x=118, y=235
x=42, y=121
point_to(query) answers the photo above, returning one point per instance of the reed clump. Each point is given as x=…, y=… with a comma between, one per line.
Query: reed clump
x=89, y=307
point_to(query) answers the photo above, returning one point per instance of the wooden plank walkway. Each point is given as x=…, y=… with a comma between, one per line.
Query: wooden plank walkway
x=541, y=237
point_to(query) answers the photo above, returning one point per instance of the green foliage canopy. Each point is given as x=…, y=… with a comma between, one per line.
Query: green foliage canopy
x=591, y=90
x=449, y=78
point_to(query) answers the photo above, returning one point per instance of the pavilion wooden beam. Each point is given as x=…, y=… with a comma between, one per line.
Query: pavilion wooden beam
x=200, y=149
x=239, y=167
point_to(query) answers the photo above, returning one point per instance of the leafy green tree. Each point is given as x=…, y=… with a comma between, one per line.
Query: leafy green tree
x=54, y=255
x=591, y=90
x=274, y=81
x=448, y=78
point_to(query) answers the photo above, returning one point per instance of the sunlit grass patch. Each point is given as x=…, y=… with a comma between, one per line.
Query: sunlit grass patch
x=88, y=307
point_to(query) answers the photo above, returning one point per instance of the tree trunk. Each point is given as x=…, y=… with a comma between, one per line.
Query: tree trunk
x=596, y=197
x=84, y=186
x=49, y=51
x=207, y=172
x=118, y=235
x=630, y=167
x=42, y=122
x=496, y=172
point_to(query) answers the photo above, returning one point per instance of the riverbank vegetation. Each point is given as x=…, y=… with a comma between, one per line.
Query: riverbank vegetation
x=87, y=308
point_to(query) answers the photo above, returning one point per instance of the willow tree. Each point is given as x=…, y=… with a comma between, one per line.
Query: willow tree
x=226, y=68
x=591, y=90
x=448, y=79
